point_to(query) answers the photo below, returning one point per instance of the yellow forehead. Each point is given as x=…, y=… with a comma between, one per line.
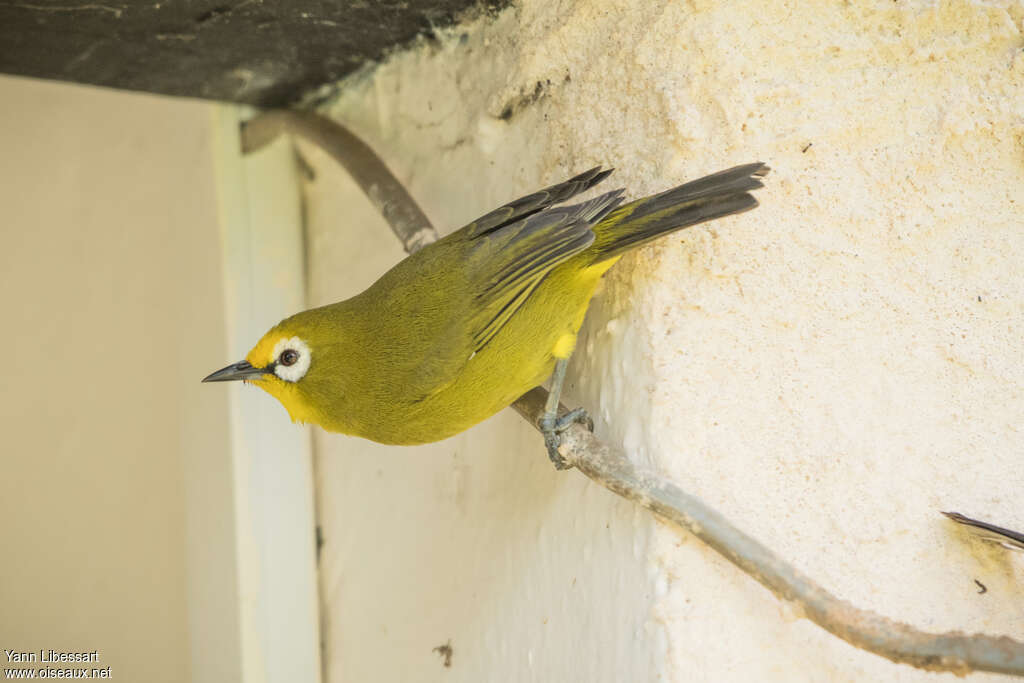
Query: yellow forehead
x=263, y=353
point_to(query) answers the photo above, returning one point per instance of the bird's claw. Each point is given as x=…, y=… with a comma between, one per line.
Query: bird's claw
x=552, y=428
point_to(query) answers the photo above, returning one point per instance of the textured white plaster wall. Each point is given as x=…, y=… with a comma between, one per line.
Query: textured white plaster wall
x=829, y=371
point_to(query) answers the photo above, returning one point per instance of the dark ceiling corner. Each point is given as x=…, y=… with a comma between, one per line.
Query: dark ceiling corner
x=264, y=52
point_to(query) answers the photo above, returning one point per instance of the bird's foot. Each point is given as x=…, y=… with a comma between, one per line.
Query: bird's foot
x=552, y=427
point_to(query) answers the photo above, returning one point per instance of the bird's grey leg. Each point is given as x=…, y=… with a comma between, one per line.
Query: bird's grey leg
x=551, y=424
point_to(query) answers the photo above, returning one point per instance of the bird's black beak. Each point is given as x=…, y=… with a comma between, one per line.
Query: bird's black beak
x=240, y=370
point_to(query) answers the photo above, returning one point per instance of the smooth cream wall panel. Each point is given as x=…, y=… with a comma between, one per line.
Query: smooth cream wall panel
x=115, y=485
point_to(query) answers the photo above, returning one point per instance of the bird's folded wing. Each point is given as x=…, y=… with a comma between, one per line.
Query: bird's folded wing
x=509, y=262
x=501, y=268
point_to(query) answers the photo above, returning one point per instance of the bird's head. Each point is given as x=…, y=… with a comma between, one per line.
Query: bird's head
x=284, y=364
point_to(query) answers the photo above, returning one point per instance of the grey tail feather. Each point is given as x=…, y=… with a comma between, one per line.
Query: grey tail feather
x=714, y=196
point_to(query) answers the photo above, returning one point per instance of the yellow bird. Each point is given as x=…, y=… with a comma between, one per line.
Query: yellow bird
x=462, y=328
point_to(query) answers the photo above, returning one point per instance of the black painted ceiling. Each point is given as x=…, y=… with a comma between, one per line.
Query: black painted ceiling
x=262, y=52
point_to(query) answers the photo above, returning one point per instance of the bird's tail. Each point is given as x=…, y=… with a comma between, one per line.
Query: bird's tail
x=720, y=194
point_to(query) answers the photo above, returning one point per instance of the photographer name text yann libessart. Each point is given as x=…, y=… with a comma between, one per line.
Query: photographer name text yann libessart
x=48, y=656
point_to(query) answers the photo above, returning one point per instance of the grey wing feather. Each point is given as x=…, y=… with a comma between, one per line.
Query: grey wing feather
x=537, y=202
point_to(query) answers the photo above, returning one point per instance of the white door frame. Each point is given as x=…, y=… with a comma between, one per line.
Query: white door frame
x=264, y=281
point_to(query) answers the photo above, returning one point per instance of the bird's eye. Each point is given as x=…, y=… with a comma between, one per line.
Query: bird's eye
x=293, y=358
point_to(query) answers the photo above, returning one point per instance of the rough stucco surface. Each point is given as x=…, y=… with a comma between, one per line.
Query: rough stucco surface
x=829, y=371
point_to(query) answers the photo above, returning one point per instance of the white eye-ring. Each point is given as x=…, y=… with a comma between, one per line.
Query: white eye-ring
x=291, y=359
